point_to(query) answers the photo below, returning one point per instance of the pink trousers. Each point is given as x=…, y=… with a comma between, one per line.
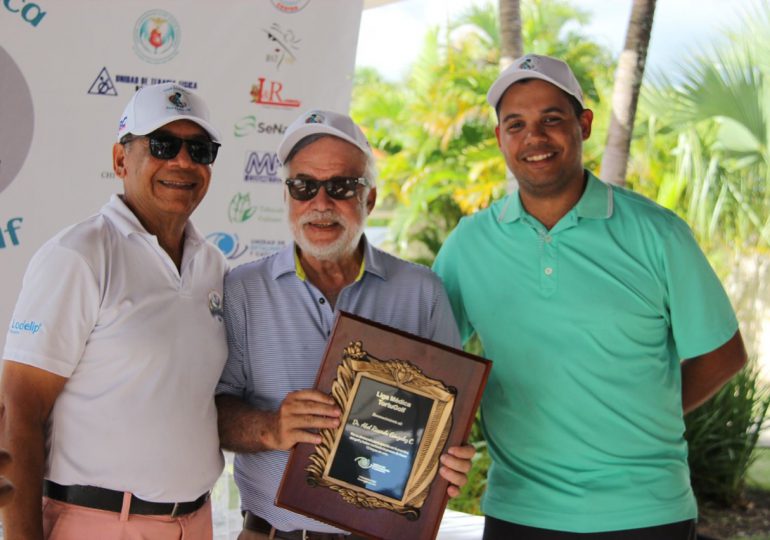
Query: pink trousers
x=62, y=521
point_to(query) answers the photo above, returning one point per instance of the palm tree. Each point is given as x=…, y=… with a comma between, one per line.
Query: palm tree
x=719, y=113
x=626, y=91
x=510, y=32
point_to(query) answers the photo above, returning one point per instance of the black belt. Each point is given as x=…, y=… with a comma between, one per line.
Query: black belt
x=257, y=524
x=112, y=501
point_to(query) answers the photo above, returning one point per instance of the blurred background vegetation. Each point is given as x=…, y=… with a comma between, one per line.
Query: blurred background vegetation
x=700, y=148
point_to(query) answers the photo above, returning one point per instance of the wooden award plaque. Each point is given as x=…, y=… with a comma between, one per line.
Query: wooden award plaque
x=404, y=400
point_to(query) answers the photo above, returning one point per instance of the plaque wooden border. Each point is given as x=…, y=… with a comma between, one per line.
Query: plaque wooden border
x=453, y=379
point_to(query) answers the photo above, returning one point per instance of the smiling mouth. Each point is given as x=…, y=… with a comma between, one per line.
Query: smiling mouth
x=539, y=157
x=177, y=185
x=323, y=224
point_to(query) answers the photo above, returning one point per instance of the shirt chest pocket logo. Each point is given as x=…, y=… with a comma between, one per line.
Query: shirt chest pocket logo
x=215, y=305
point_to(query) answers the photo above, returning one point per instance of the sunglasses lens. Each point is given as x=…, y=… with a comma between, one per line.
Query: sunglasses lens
x=167, y=147
x=203, y=152
x=341, y=188
x=162, y=147
x=302, y=190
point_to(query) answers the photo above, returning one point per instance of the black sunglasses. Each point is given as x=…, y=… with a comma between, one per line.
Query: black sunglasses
x=164, y=146
x=338, y=187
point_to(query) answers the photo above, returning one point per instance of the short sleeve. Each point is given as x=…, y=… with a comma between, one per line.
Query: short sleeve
x=234, y=377
x=55, y=313
x=447, y=267
x=701, y=316
x=442, y=323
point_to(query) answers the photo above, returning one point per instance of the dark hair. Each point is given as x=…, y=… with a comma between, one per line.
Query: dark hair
x=303, y=142
x=576, y=106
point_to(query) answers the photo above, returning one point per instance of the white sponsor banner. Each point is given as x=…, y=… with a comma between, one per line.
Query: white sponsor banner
x=67, y=69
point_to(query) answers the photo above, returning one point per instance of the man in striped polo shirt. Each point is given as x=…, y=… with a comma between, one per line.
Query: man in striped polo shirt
x=279, y=313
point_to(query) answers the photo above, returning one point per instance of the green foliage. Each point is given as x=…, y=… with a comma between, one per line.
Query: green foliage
x=722, y=435
x=714, y=119
x=758, y=474
x=434, y=132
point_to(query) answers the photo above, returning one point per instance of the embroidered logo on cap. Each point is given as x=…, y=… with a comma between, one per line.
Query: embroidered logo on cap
x=528, y=63
x=177, y=101
x=315, y=118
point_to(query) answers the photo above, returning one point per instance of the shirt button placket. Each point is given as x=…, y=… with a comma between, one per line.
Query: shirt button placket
x=548, y=265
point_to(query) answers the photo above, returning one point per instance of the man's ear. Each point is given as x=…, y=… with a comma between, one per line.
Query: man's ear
x=371, y=198
x=119, y=160
x=586, y=118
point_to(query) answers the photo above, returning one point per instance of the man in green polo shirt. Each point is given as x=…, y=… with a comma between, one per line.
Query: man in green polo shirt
x=604, y=320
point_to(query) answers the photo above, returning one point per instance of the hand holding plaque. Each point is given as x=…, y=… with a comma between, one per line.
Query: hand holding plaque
x=403, y=399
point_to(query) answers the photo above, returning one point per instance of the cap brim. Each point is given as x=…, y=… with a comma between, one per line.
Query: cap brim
x=288, y=143
x=499, y=87
x=149, y=128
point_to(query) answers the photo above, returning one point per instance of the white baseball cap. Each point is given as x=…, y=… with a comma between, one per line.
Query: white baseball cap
x=156, y=105
x=535, y=66
x=322, y=122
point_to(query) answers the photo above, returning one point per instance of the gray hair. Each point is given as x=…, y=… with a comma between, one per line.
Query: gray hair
x=370, y=171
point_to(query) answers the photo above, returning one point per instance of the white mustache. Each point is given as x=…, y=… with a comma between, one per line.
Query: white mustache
x=318, y=215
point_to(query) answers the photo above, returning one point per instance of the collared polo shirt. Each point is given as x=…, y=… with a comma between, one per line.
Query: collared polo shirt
x=586, y=324
x=142, y=345
x=278, y=324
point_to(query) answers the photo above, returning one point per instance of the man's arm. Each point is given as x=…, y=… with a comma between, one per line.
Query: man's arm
x=6, y=488
x=27, y=395
x=243, y=428
x=704, y=375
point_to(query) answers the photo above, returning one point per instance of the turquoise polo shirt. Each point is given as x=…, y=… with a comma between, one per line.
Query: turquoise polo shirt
x=586, y=325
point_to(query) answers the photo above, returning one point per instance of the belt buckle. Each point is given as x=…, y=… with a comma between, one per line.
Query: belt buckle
x=174, y=509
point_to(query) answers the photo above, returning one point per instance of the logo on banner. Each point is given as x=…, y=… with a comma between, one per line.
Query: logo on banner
x=262, y=248
x=9, y=236
x=29, y=11
x=269, y=93
x=17, y=120
x=106, y=85
x=290, y=6
x=228, y=244
x=103, y=85
x=249, y=125
x=284, y=45
x=262, y=167
x=156, y=36
x=241, y=209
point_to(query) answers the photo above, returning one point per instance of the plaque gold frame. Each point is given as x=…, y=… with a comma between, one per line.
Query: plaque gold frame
x=402, y=374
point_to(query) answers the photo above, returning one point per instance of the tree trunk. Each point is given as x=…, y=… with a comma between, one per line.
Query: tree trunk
x=510, y=32
x=625, y=94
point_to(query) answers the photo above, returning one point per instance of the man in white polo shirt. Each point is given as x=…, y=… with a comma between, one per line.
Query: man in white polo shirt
x=116, y=345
